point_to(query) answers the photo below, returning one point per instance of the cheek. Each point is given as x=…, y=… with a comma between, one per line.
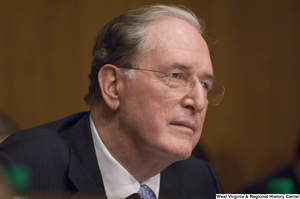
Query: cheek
x=145, y=105
x=153, y=114
x=198, y=134
x=147, y=97
x=196, y=138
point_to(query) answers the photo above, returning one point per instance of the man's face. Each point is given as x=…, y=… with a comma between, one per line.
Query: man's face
x=158, y=120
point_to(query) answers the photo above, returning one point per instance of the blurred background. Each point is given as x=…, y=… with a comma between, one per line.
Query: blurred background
x=45, y=56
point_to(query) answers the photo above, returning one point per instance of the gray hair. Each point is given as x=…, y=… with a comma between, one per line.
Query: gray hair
x=121, y=41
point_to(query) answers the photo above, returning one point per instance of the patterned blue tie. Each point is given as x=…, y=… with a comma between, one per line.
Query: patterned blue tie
x=146, y=193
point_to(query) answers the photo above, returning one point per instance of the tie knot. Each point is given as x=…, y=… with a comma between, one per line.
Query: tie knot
x=145, y=192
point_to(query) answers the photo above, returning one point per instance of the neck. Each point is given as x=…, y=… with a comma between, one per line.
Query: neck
x=122, y=146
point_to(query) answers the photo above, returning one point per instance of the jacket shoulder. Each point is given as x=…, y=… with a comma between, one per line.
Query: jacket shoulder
x=42, y=141
x=191, y=178
x=57, y=128
x=45, y=151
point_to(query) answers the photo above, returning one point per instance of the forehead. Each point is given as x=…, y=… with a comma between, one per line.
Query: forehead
x=174, y=42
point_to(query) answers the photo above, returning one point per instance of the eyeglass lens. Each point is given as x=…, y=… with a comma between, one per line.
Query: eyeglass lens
x=214, y=96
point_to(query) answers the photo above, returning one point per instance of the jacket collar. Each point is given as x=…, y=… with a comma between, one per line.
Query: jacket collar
x=84, y=171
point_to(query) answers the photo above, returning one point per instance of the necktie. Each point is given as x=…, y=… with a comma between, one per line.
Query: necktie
x=145, y=192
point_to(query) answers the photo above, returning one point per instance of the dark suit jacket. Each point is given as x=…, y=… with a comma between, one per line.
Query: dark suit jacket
x=62, y=160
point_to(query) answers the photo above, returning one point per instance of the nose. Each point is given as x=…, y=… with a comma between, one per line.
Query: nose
x=196, y=100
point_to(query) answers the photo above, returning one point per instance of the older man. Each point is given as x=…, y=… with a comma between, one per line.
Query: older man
x=151, y=83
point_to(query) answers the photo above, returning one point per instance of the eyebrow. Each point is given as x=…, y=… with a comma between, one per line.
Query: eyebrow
x=180, y=66
x=210, y=77
x=184, y=67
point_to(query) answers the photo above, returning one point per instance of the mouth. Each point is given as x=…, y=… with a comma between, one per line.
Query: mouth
x=186, y=126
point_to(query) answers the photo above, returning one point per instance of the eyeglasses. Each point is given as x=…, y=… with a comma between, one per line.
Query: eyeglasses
x=181, y=84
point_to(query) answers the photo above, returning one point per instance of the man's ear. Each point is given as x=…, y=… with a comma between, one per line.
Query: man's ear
x=108, y=79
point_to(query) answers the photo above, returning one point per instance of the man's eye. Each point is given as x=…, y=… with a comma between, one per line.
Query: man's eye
x=204, y=84
x=176, y=75
x=207, y=85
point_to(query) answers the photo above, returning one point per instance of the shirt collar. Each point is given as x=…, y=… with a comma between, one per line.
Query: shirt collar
x=118, y=182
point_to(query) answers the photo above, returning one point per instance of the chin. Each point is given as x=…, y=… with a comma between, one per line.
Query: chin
x=186, y=155
x=181, y=153
x=174, y=149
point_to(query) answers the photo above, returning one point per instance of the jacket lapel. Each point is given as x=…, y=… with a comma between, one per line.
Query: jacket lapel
x=84, y=171
x=170, y=186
